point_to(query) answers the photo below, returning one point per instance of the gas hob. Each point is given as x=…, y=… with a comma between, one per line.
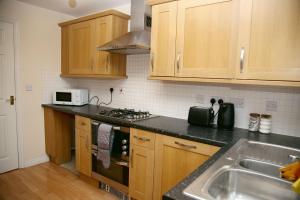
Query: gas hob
x=127, y=114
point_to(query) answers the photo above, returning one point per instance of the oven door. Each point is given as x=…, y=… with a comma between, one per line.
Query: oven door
x=118, y=170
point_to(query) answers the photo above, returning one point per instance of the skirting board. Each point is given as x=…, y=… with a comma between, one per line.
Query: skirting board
x=36, y=161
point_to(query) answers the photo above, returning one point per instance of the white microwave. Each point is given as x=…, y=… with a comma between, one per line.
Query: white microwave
x=74, y=97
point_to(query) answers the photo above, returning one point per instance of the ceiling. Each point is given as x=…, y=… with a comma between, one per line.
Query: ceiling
x=83, y=7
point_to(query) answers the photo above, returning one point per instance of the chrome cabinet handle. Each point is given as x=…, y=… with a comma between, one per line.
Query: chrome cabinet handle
x=87, y=143
x=178, y=62
x=242, y=58
x=142, y=139
x=152, y=61
x=185, y=145
x=107, y=62
x=131, y=158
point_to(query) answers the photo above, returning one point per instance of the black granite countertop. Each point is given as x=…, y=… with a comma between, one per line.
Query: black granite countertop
x=180, y=128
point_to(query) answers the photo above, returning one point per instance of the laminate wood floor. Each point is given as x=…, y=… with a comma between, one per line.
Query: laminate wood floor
x=47, y=182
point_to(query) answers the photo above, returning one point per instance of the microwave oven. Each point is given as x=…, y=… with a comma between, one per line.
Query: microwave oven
x=74, y=97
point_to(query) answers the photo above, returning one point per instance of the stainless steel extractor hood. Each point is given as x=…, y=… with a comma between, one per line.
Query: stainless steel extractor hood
x=137, y=41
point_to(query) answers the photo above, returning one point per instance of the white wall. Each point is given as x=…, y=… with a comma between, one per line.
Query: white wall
x=174, y=99
x=38, y=58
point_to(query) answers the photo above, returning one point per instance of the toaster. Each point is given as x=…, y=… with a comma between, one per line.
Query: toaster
x=201, y=116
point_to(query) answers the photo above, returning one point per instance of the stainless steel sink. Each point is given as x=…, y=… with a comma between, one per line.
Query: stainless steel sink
x=261, y=167
x=239, y=184
x=249, y=170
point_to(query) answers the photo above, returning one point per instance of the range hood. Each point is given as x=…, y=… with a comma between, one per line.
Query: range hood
x=137, y=41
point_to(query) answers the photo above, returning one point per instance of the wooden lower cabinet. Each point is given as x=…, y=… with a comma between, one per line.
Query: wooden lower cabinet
x=58, y=130
x=141, y=169
x=141, y=173
x=83, y=144
x=175, y=159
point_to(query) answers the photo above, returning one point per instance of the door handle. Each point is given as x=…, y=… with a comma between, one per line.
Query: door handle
x=11, y=100
x=185, y=145
x=152, y=60
x=178, y=62
x=242, y=58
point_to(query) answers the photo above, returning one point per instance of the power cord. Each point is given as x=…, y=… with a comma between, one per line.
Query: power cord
x=94, y=97
x=111, y=92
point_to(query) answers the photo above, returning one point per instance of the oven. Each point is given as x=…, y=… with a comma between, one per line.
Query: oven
x=119, y=167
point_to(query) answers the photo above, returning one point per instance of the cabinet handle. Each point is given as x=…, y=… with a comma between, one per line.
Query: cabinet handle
x=87, y=143
x=83, y=124
x=242, y=58
x=152, y=61
x=178, y=62
x=131, y=158
x=107, y=62
x=142, y=139
x=185, y=145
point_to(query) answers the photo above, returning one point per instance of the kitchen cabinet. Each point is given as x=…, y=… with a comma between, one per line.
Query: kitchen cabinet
x=269, y=41
x=141, y=169
x=58, y=129
x=163, y=48
x=226, y=41
x=80, y=39
x=205, y=38
x=175, y=159
x=83, y=144
x=81, y=47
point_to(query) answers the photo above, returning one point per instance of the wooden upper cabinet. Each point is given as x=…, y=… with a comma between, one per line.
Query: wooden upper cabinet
x=103, y=35
x=163, y=39
x=81, y=47
x=206, y=33
x=80, y=39
x=270, y=39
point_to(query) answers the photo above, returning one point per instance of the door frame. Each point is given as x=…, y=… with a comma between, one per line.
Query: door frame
x=16, y=44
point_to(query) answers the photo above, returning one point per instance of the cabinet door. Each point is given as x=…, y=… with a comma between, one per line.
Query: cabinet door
x=141, y=173
x=175, y=159
x=269, y=40
x=103, y=35
x=83, y=152
x=81, y=47
x=163, y=39
x=206, y=38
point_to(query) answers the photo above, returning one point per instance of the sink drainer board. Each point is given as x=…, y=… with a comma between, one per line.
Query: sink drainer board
x=247, y=171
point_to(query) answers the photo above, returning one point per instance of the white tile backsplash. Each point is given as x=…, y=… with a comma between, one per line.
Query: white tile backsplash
x=174, y=99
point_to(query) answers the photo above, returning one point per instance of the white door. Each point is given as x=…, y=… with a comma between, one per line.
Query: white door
x=8, y=133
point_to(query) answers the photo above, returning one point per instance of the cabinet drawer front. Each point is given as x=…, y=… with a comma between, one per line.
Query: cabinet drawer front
x=82, y=123
x=191, y=146
x=142, y=138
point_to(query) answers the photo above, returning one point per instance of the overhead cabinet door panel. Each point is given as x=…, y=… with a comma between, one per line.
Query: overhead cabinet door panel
x=81, y=47
x=206, y=35
x=269, y=40
x=163, y=39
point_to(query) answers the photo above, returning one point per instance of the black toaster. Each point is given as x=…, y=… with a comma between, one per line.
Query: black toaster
x=201, y=116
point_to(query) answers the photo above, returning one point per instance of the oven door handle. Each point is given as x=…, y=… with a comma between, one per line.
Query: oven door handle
x=122, y=163
x=114, y=127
